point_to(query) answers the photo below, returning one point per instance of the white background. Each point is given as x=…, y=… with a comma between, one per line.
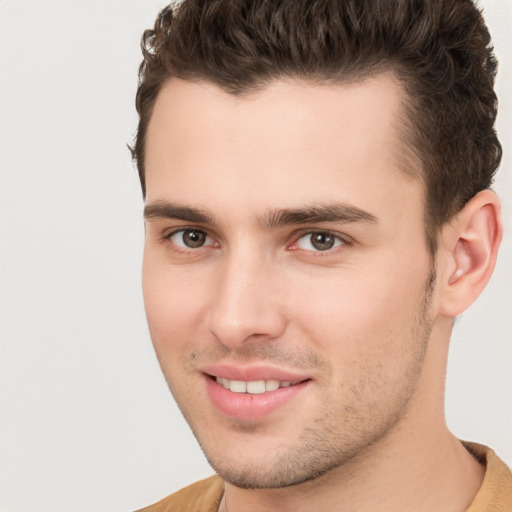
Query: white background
x=87, y=422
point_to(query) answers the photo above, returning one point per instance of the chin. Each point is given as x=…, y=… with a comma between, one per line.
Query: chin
x=270, y=467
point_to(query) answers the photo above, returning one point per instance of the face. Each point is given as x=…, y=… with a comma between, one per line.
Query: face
x=286, y=277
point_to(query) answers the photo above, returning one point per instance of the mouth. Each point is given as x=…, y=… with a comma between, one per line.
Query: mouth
x=252, y=395
x=254, y=387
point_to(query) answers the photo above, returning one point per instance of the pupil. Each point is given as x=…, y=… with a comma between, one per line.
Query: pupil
x=322, y=241
x=193, y=238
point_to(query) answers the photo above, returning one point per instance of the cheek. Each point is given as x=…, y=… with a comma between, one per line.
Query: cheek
x=353, y=313
x=372, y=335
x=173, y=301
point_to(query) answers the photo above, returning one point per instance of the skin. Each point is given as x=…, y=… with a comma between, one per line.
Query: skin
x=368, y=321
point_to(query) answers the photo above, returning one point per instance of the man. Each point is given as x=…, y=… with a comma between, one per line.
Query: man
x=316, y=177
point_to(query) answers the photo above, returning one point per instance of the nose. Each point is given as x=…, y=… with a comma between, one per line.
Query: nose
x=247, y=308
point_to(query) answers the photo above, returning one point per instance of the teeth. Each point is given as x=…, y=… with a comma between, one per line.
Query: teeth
x=253, y=387
x=271, y=385
x=238, y=386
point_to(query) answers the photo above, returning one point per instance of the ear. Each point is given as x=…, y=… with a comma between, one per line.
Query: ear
x=468, y=251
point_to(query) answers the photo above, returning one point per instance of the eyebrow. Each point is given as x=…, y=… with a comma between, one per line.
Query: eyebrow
x=337, y=212
x=279, y=217
x=166, y=210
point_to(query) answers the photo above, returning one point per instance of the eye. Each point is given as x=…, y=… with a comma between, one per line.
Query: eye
x=190, y=238
x=319, y=241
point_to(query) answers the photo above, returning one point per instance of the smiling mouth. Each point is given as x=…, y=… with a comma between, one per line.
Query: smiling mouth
x=254, y=387
x=252, y=400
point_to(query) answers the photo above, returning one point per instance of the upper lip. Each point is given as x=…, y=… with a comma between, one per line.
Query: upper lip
x=253, y=372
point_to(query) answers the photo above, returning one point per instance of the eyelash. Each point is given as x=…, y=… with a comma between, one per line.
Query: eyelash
x=339, y=241
x=186, y=250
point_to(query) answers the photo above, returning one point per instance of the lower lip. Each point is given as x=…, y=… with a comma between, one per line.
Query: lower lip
x=246, y=406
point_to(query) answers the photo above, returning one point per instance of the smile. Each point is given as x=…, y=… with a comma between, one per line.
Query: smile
x=254, y=398
x=254, y=387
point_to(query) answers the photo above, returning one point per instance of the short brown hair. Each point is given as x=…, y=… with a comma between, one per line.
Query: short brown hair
x=438, y=49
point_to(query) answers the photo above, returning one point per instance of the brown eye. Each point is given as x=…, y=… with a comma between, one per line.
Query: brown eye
x=190, y=238
x=319, y=241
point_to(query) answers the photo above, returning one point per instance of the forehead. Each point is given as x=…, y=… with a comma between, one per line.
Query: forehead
x=288, y=143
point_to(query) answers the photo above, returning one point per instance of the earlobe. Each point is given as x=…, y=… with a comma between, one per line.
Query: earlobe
x=470, y=242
